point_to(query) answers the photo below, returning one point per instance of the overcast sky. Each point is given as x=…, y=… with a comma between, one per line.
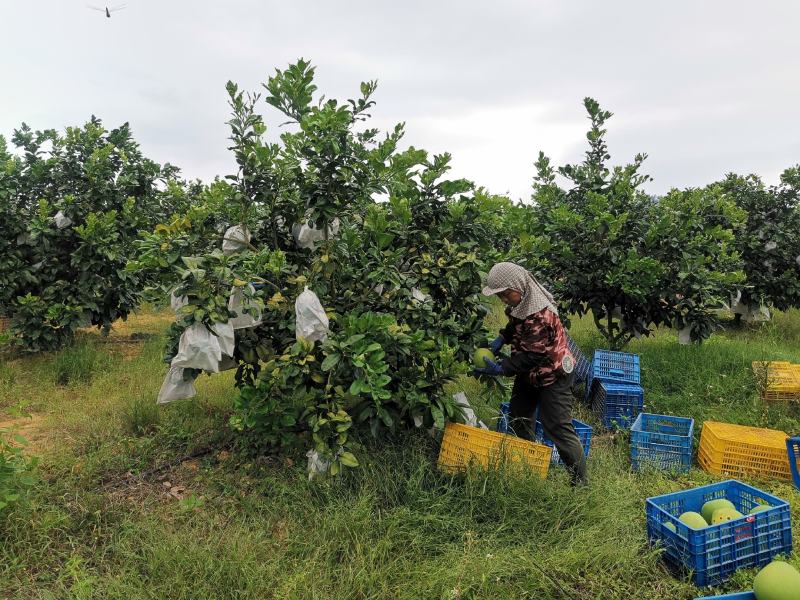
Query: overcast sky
x=703, y=87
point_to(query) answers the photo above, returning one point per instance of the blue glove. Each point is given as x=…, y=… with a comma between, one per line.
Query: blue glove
x=496, y=344
x=491, y=368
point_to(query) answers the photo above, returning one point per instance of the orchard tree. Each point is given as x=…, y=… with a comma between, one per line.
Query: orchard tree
x=770, y=242
x=399, y=280
x=631, y=260
x=75, y=203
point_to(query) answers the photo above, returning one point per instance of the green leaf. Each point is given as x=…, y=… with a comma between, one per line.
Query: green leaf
x=348, y=459
x=330, y=361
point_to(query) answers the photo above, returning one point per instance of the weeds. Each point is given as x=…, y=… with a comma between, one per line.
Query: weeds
x=78, y=364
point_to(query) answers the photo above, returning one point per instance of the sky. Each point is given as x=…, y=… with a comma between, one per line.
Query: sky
x=703, y=87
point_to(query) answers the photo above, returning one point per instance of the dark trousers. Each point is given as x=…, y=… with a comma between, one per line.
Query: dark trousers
x=555, y=412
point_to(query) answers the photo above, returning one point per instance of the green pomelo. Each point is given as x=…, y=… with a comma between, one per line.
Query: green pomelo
x=709, y=507
x=671, y=527
x=480, y=356
x=723, y=515
x=693, y=520
x=777, y=581
x=760, y=508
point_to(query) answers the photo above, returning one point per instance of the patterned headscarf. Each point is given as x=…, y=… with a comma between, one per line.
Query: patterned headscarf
x=510, y=276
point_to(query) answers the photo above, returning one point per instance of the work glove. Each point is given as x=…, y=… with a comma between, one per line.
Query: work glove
x=491, y=368
x=496, y=344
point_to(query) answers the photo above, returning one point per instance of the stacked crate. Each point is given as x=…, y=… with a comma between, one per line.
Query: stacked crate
x=614, y=388
x=778, y=380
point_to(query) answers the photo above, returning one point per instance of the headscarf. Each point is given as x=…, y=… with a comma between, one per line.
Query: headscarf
x=510, y=276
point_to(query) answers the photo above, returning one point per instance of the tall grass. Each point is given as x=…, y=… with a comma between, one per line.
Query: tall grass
x=395, y=527
x=78, y=363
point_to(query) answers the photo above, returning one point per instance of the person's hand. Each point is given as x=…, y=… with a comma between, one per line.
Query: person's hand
x=496, y=344
x=491, y=368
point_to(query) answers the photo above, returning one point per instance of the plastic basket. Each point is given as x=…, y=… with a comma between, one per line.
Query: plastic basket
x=662, y=442
x=582, y=365
x=613, y=367
x=618, y=404
x=463, y=446
x=583, y=430
x=713, y=553
x=727, y=449
x=616, y=367
x=793, y=450
x=736, y=596
x=778, y=380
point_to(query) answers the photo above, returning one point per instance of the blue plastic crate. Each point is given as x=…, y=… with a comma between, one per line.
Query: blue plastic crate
x=793, y=448
x=583, y=430
x=616, y=367
x=618, y=404
x=736, y=596
x=503, y=419
x=613, y=367
x=662, y=442
x=582, y=365
x=713, y=553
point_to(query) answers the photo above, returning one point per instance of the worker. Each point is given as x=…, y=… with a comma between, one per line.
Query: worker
x=540, y=363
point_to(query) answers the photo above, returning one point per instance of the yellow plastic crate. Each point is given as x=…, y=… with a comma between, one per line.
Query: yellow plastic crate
x=778, y=380
x=463, y=445
x=727, y=449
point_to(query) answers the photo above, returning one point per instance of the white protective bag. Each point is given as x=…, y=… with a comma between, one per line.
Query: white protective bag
x=685, y=336
x=175, y=387
x=316, y=464
x=236, y=239
x=419, y=295
x=61, y=220
x=198, y=349
x=242, y=320
x=311, y=320
x=308, y=237
x=225, y=337
x=470, y=418
x=177, y=302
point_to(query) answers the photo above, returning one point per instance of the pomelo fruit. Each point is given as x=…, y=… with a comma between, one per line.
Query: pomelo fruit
x=693, y=520
x=480, y=356
x=671, y=527
x=709, y=507
x=760, y=508
x=777, y=581
x=723, y=515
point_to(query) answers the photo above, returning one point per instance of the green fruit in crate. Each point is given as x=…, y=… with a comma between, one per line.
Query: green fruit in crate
x=671, y=527
x=480, y=357
x=777, y=581
x=723, y=515
x=693, y=520
x=760, y=508
x=709, y=507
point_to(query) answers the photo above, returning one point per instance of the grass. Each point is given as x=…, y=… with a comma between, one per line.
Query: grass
x=224, y=525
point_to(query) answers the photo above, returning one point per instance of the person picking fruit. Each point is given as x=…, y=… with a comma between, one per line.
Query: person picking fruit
x=540, y=362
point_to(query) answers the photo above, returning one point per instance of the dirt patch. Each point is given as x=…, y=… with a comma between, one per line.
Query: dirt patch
x=31, y=428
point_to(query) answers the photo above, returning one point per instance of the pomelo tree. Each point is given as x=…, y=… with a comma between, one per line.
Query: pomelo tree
x=770, y=241
x=399, y=279
x=630, y=260
x=73, y=204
